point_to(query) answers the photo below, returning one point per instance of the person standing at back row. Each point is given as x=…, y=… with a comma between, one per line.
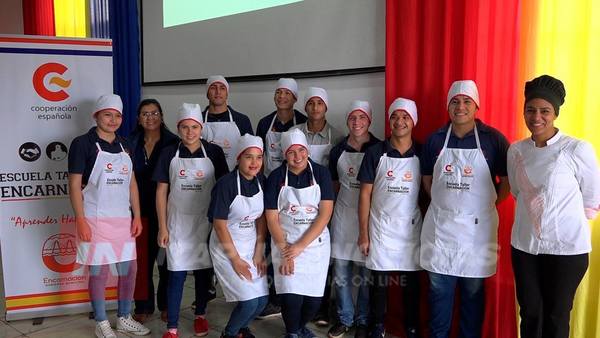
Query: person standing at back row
x=464, y=172
x=223, y=126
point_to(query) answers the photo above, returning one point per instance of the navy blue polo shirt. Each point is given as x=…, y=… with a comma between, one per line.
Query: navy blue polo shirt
x=241, y=120
x=225, y=191
x=213, y=152
x=277, y=179
x=493, y=144
x=83, y=152
x=368, y=167
x=339, y=148
x=263, y=125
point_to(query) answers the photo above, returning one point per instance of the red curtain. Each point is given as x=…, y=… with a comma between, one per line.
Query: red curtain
x=38, y=17
x=430, y=44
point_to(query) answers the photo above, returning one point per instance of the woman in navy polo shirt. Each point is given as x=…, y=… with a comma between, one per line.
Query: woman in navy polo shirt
x=186, y=173
x=103, y=194
x=299, y=203
x=237, y=244
x=147, y=140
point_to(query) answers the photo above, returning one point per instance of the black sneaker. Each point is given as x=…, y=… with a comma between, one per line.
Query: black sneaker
x=271, y=310
x=321, y=319
x=338, y=330
x=378, y=331
x=245, y=333
x=362, y=331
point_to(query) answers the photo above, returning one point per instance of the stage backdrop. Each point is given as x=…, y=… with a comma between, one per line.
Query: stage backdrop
x=47, y=90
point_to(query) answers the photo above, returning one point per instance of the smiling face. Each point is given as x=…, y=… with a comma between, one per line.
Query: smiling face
x=217, y=94
x=539, y=117
x=315, y=109
x=108, y=120
x=150, y=117
x=189, y=131
x=297, y=158
x=401, y=123
x=462, y=110
x=358, y=123
x=284, y=99
x=250, y=162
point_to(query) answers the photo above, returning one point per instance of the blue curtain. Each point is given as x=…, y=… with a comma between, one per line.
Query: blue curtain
x=99, y=19
x=124, y=31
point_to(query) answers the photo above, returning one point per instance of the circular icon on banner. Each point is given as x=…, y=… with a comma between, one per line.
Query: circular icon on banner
x=30, y=151
x=59, y=253
x=56, y=151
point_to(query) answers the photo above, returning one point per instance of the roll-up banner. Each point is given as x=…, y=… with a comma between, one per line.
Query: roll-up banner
x=47, y=90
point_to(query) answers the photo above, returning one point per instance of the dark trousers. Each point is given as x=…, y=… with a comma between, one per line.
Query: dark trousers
x=202, y=281
x=546, y=286
x=297, y=310
x=147, y=252
x=409, y=284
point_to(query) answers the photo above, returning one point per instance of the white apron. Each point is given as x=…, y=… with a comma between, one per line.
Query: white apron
x=344, y=223
x=320, y=152
x=395, y=219
x=241, y=223
x=460, y=230
x=224, y=134
x=298, y=208
x=191, y=181
x=106, y=208
x=273, y=153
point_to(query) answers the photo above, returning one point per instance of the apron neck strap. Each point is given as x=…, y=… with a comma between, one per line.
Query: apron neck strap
x=100, y=149
x=228, y=112
x=239, y=187
x=312, y=173
x=98, y=146
x=275, y=118
x=474, y=131
x=201, y=147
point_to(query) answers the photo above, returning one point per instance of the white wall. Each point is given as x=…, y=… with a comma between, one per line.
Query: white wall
x=256, y=98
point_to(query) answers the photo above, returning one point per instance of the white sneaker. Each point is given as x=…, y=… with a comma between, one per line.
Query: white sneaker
x=103, y=330
x=130, y=325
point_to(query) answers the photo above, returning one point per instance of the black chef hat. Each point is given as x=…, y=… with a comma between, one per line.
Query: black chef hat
x=548, y=88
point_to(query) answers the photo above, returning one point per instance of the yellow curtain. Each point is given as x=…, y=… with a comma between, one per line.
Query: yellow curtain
x=562, y=39
x=71, y=18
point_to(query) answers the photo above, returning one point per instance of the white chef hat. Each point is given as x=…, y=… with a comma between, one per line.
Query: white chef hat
x=363, y=106
x=216, y=78
x=108, y=101
x=190, y=111
x=247, y=141
x=292, y=137
x=463, y=87
x=289, y=84
x=316, y=92
x=407, y=105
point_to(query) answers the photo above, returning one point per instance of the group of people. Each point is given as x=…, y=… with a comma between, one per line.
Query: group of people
x=267, y=213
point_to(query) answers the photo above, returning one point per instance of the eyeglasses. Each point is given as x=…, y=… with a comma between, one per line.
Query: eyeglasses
x=150, y=114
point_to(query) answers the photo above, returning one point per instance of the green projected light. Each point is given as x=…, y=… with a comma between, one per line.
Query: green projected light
x=179, y=12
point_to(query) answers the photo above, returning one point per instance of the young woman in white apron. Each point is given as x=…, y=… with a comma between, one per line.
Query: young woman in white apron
x=104, y=195
x=556, y=181
x=344, y=162
x=237, y=242
x=298, y=205
x=186, y=173
x=390, y=218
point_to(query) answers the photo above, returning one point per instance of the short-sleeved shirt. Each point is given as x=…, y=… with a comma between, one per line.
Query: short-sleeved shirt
x=277, y=179
x=213, y=152
x=368, y=167
x=225, y=191
x=83, y=152
x=263, y=125
x=241, y=120
x=493, y=145
x=328, y=135
x=339, y=148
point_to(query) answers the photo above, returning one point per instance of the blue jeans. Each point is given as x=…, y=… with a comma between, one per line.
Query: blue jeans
x=441, y=301
x=126, y=272
x=297, y=310
x=243, y=313
x=345, y=280
x=202, y=281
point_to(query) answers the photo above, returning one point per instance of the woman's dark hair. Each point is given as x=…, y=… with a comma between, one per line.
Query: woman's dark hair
x=146, y=102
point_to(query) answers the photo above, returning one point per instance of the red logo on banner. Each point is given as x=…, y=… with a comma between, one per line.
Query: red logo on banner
x=40, y=86
x=59, y=253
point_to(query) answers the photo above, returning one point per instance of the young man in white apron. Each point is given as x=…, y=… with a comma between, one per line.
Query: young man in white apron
x=344, y=162
x=390, y=218
x=104, y=195
x=223, y=125
x=237, y=243
x=186, y=173
x=269, y=129
x=464, y=171
x=298, y=205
